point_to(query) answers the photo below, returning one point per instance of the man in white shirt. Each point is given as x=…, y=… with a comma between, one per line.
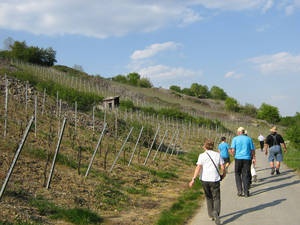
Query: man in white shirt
x=261, y=140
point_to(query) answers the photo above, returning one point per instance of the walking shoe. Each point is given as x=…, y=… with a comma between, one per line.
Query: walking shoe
x=272, y=171
x=247, y=194
x=240, y=194
x=277, y=171
x=217, y=219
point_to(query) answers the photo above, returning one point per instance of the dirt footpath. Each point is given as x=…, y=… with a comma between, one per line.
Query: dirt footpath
x=274, y=199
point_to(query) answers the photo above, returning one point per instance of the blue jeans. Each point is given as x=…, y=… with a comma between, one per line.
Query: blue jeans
x=242, y=170
x=275, y=153
x=213, y=197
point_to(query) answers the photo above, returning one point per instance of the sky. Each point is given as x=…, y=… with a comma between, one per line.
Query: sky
x=249, y=48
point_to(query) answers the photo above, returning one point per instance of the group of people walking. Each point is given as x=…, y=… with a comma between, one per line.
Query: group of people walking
x=212, y=166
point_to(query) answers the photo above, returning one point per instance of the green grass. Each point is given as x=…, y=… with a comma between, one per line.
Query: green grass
x=78, y=216
x=186, y=204
x=292, y=158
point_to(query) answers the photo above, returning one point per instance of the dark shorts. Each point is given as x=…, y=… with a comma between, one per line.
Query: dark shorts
x=226, y=160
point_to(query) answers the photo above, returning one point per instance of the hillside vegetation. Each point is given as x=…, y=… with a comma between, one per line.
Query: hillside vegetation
x=142, y=155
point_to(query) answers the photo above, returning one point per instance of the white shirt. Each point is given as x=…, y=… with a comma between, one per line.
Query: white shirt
x=209, y=172
x=261, y=138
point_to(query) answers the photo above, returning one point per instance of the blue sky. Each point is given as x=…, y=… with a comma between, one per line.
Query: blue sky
x=249, y=48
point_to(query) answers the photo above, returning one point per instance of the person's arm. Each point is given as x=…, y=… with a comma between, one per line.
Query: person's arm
x=253, y=157
x=196, y=174
x=284, y=147
x=282, y=143
x=253, y=152
x=223, y=171
x=266, y=147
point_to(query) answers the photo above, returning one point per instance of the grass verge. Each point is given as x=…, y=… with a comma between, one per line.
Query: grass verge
x=292, y=159
x=185, y=206
x=78, y=216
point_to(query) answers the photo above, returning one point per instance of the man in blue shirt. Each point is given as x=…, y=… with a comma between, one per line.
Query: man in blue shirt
x=243, y=149
x=223, y=148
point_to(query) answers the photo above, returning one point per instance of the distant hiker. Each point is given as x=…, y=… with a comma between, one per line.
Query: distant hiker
x=223, y=148
x=261, y=140
x=242, y=148
x=274, y=143
x=208, y=172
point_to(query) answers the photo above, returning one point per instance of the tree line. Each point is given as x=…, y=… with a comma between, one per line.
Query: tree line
x=31, y=54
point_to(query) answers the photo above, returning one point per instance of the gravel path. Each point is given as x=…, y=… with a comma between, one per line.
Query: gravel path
x=274, y=199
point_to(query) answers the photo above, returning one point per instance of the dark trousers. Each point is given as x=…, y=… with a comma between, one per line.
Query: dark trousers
x=212, y=195
x=261, y=145
x=242, y=170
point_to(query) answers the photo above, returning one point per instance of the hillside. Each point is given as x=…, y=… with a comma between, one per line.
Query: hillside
x=114, y=192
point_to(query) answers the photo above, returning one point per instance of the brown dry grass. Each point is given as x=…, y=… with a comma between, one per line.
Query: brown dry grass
x=68, y=189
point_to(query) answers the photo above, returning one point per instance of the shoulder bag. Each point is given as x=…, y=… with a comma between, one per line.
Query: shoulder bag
x=221, y=177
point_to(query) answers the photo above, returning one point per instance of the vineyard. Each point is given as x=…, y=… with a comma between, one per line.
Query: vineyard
x=122, y=166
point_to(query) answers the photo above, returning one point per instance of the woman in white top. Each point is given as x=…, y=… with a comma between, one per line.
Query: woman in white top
x=208, y=172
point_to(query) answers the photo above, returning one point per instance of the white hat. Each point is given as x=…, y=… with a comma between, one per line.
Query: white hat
x=241, y=129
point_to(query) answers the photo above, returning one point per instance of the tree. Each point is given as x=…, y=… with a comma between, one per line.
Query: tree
x=144, y=83
x=120, y=78
x=18, y=50
x=231, y=104
x=200, y=91
x=187, y=91
x=195, y=89
x=203, y=91
x=133, y=78
x=175, y=88
x=293, y=130
x=31, y=54
x=48, y=56
x=217, y=93
x=268, y=113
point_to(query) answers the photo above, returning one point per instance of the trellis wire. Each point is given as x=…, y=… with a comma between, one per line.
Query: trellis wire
x=161, y=142
x=169, y=145
x=135, y=146
x=121, y=149
x=174, y=144
x=146, y=159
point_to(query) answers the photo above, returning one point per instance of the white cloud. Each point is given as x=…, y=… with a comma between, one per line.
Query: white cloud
x=280, y=63
x=166, y=72
x=236, y=5
x=153, y=50
x=165, y=76
x=233, y=74
x=92, y=17
x=161, y=75
x=102, y=19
